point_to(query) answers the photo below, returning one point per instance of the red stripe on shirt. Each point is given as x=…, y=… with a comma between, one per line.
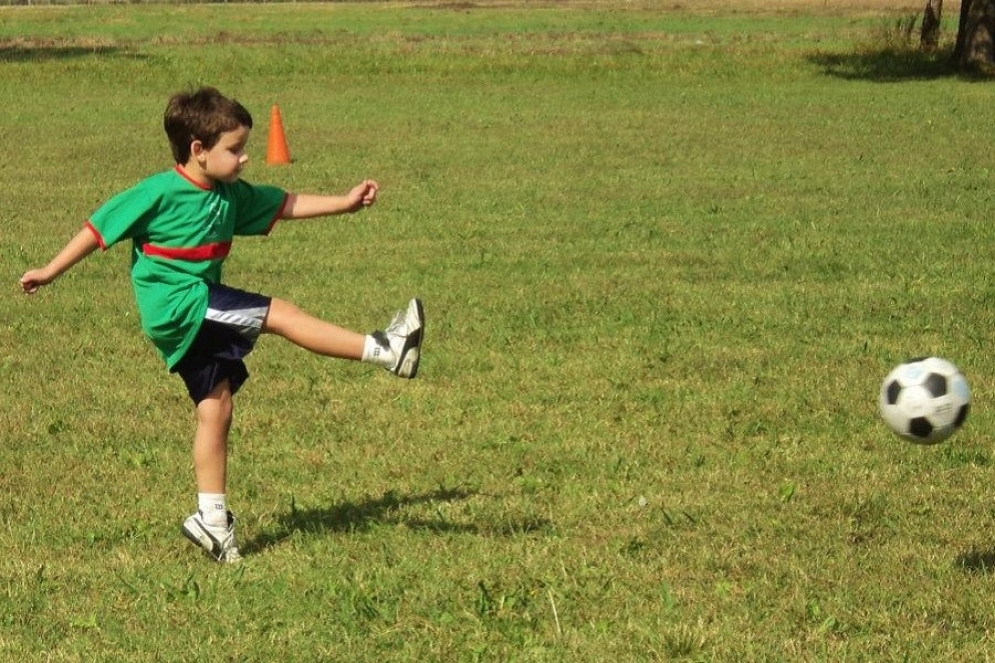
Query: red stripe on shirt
x=213, y=251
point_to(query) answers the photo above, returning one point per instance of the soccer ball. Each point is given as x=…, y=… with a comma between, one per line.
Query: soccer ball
x=925, y=400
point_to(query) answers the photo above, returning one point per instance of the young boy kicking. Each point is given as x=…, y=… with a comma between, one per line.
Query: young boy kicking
x=181, y=223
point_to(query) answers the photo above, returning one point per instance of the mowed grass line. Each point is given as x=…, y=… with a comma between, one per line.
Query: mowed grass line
x=666, y=255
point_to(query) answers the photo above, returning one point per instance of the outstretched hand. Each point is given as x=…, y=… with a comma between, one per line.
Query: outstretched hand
x=362, y=195
x=80, y=246
x=307, y=205
x=34, y=279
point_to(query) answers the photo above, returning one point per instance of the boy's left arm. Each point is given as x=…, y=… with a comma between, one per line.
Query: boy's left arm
x=306, y=206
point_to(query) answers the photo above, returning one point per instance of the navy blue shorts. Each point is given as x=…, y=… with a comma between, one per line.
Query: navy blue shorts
x=233, y=322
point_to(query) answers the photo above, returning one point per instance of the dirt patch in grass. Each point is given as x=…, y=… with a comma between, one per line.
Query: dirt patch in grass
x=807, y=6
x=832, y=7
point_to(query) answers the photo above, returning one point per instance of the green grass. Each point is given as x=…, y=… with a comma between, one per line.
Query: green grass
x=667, y=255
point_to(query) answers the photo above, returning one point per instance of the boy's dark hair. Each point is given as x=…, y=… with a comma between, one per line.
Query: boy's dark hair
x=201, y=115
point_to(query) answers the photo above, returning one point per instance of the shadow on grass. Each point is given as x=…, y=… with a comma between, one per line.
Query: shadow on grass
x=387, y=510
x=42, y=52
x=888, y=65
x=977, y=561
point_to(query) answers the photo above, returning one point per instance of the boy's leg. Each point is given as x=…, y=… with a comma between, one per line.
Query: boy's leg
x=397, y=349
x=290, y=322
x=210, y=446
x=212, y=527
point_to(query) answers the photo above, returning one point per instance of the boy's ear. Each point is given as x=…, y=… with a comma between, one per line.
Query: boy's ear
x=197, y=149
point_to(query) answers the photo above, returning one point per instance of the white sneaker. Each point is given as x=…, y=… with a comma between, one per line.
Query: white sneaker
x=403, y=337
x=219, y=542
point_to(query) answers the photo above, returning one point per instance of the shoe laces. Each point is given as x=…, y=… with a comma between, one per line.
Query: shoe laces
x=398, y=324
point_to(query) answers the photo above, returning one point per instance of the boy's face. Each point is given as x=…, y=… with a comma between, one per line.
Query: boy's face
x=226, y=159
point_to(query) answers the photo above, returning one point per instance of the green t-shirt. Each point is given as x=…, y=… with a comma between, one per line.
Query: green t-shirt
x=181, y=233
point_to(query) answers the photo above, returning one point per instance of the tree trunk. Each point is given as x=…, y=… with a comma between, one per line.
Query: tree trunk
x=975, y=47
x=929, y=37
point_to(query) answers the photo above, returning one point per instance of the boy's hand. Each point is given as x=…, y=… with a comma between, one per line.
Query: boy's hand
x=306, y=206
x=363, y=194
x=80, y=246
x=34, y=279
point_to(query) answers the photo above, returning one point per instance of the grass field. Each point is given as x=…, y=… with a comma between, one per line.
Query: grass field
x=667, y=253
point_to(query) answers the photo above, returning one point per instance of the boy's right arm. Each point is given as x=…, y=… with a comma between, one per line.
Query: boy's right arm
x=83, y=244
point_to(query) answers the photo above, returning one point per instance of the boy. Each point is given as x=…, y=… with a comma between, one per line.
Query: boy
x=181, y=223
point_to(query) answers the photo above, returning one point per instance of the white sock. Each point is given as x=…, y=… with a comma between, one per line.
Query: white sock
x=214, y=508
x=375, y=353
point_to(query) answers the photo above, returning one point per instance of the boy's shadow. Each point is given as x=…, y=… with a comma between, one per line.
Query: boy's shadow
x=360, y=516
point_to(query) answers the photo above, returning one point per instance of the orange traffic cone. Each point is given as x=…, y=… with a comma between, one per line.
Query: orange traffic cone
x=276, y=148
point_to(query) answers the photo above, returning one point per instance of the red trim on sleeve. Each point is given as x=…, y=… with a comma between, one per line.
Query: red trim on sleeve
x=96, y=234
x=213, y=251
x=278, y=215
